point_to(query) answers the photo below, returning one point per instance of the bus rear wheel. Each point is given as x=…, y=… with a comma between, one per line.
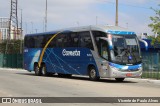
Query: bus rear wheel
x=119, y=79
x=44, y=71
x=37, y=70
x=93, y=74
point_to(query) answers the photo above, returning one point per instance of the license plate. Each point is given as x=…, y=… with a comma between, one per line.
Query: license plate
x=128, y=74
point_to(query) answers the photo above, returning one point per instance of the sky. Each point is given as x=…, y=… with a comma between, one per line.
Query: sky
x=133, y=14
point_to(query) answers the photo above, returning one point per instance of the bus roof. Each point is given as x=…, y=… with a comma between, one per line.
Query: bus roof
x=107, y=29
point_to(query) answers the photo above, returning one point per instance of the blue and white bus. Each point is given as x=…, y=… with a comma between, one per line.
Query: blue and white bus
x=95, y=51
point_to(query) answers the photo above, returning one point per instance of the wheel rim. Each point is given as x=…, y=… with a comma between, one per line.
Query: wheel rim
x=43, y=71
x=36, y=69
x=93, y=73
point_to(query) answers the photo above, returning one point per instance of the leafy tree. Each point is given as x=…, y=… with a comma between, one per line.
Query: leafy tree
x=13, y=46
x=156, y=21
x=155, y=26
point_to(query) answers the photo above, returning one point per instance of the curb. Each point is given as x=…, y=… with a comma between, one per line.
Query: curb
x=12, y=69
x=144, y=80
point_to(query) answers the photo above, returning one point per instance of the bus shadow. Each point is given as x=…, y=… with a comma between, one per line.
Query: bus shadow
x=84, y=78
x=100, y=80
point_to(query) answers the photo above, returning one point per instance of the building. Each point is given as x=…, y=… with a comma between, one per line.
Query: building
x=4, y=30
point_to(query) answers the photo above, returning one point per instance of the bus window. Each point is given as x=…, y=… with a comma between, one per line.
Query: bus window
x=26, y=42
x=85, y=40
x=97, y=34
x=31, y=42
x=60, y=40
x=104, y=49
x=74, y=39
x=45, y=40
x=39, y=40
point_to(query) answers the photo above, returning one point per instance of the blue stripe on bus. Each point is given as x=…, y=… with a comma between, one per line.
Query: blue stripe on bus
x=125, y=67
x=120, y=32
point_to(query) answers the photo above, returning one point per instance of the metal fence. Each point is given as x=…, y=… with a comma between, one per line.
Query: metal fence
x=11, y=60
x=151, y=65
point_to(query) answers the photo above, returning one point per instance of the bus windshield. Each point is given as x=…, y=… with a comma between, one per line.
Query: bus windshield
x=125, y=49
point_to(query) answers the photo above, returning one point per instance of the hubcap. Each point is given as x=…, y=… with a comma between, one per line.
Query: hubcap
x=93, y=73
x=37, y=69
x=43, y=71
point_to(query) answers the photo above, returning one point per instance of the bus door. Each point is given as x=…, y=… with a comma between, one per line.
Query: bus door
x=103, y=49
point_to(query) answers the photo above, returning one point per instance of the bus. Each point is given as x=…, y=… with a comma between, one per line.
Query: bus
x=95, y=51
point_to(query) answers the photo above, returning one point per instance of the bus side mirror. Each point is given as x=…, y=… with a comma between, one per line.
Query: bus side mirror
x=145, y=43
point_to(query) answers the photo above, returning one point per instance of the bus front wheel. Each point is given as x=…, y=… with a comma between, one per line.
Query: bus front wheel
x=119, y=79
x=93, y=74
x=37, y=70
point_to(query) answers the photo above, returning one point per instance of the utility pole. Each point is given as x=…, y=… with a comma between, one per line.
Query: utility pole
x=46, y=17
x=13, y=23
x=116, y=23
x=26, y=28
x=21, y=26
x=32, y=27
x=21, y=37
x=96, y=20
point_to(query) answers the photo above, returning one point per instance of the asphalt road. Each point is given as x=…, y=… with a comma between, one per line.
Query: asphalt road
x=20, y=83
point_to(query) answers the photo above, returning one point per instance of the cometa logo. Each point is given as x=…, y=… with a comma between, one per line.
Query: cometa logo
x=71, y=53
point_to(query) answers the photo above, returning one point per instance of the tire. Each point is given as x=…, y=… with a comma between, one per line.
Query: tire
x=37, y=70
x=44, y=71
x=93, y=74
x=119, y=79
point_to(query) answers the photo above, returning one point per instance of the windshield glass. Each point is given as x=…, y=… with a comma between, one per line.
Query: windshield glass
x=125, y=49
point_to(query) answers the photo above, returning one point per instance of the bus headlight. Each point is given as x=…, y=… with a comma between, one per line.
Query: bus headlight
x=140, y=68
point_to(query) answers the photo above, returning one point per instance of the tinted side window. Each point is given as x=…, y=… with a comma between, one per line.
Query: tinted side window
x=60, y=40
x=38, y=41
x=45, y=40
x=74, y=40
x=53, y=42
x=67, y=40
x=85, y=40
x=97, y=34
x=26, y=43
x=31, y=42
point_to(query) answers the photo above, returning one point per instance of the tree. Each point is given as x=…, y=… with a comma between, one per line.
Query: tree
x=155, y=27
x=156, y=21
x=13, y=47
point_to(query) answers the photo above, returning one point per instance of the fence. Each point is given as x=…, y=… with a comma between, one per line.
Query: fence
x=11, y=60
x=151, y=65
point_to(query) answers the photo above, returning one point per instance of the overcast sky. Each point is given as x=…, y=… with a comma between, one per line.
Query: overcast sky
x=133, y=14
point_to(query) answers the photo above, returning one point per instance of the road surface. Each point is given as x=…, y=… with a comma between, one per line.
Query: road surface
x=20, y=83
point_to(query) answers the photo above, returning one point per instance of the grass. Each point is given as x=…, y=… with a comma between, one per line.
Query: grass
x=151, y=74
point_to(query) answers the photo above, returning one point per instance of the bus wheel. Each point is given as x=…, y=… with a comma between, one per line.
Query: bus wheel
x=37, y=70
x=119, y=79
x=44, y=71
x=93, y=74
